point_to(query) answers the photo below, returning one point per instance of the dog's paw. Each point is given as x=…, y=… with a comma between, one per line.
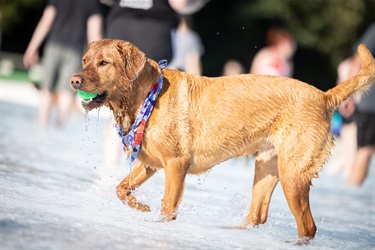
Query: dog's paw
x=240, y=227
x=139, y=206
x=132, y=202
x=166, y=218
x=136, y=205
x=304, y=241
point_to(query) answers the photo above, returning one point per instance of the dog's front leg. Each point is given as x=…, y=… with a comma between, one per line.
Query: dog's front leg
x=175, y=173
x=134, y=179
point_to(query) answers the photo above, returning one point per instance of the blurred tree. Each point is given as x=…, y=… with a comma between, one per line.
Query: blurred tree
x=12, y=12
x=18, y=19
x=325, y=31
x=330, y=27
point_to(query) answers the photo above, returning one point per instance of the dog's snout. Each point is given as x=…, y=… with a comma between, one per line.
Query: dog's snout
x=76, y=81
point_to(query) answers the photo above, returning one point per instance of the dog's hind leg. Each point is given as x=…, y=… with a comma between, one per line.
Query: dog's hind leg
x=265, y=179
x=175, y=173
x=134, y=179
x=296, y=187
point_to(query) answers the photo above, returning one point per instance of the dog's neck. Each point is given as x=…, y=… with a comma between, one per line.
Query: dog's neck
x=126, y=110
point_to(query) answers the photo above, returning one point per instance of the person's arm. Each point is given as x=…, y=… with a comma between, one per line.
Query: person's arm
x=187, y=7
x=94, y=28
x=355, y=65
x=44, y=26
x=193, y=63
x=354, y=70
x=345, y=71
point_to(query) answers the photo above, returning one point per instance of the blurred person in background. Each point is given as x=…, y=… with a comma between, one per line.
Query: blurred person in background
x=187, y=48
x=364, y=117
x=276, y=58
x=65, y=27
x=233, y=67
x=148, y=24
x=343, y=125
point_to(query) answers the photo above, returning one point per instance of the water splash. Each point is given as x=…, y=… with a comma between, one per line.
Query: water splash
x=87, y=120
x=202, y=181
x=97, y=121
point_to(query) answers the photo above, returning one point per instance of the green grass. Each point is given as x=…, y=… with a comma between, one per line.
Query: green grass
x=18, y=75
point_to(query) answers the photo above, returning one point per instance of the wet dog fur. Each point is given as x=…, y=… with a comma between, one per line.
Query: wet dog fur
x=198, y=122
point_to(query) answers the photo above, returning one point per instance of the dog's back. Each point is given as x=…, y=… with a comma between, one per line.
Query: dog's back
x=215, y=119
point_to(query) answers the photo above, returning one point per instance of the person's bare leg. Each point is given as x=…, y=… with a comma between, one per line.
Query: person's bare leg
x=350, y=147
x=344, y=152
x=64, y=102
x=46, y=101
x=361, y=165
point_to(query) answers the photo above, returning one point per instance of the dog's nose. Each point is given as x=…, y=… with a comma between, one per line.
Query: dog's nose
x=76, y=81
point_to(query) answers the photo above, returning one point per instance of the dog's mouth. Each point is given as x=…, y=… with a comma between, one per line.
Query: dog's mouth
x=94, y=101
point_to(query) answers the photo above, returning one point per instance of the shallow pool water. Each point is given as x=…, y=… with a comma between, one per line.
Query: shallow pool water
x=53, y=196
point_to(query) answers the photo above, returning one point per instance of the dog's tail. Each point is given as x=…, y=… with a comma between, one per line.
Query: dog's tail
x=356, y=84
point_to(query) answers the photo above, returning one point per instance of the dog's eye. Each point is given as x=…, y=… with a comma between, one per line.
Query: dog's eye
x=102, y=63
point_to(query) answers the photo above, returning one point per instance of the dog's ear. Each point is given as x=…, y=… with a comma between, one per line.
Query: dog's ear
x=134, y=59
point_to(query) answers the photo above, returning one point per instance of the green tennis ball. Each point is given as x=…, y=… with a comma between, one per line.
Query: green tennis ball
x=86, y=96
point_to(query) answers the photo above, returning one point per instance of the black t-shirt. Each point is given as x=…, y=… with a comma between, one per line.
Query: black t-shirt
x=367, y=103
x=368, y=38
x=145, y=23
x=69, y=26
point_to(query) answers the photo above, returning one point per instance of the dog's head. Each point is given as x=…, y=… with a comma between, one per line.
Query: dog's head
x=109, y=68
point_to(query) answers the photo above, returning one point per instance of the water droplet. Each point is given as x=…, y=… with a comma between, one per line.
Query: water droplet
x=87, y=120
x=97, y=119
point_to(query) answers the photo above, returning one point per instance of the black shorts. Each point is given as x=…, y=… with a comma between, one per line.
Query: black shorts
x=365, y=128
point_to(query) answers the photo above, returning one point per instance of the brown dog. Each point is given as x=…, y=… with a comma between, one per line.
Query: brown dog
x=199, y=122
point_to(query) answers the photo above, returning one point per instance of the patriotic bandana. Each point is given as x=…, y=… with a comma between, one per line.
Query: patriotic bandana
x=132, y=141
